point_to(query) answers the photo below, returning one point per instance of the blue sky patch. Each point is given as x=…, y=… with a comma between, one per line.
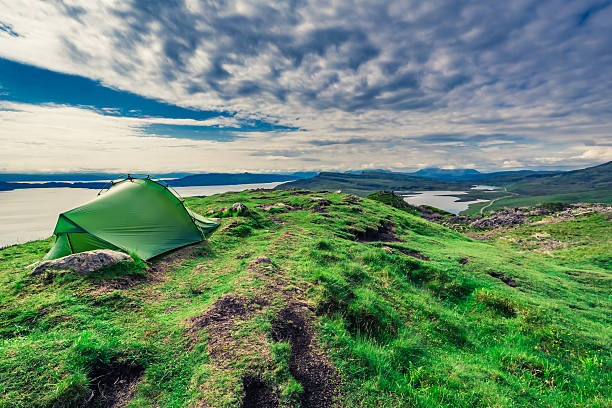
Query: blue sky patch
x=214, y=133
x=29, y=84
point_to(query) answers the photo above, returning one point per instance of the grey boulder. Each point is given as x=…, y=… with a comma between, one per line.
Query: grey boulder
x=83, y=262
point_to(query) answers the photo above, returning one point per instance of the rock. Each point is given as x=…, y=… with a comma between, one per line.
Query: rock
x=262, y=264
x=239, y=208
x=261, y=260
x=352, y=199
x=500, y=219
x=83, y=262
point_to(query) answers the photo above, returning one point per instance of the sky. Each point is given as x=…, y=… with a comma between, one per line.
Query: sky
x=160, y=86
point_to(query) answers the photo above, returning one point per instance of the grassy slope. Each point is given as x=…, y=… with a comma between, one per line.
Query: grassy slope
x=593, y=184
x=596, y=196
x=401, y=331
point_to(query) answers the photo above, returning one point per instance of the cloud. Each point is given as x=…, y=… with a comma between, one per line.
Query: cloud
x=8, y=29
x=488, y=84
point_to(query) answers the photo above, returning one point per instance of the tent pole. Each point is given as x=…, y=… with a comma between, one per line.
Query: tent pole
x=69, y=243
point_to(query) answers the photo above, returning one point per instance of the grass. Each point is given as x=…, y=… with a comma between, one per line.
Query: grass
x=597, y=196
x=400, y=331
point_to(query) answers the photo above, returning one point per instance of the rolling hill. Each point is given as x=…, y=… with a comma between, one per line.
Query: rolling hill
x=518, y=188
x=319, y=300
x=593, y=184
x=368, y=182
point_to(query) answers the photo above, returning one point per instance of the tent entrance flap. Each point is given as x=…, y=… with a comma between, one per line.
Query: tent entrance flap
x=137, y=215
x=205, y=225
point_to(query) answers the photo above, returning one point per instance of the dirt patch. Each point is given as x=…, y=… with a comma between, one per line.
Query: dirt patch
x=552, y=244
x=225, y=308
x=124, y=282
x=231, y=226
x=299, y=192
x=507, y=280
x=279, y=207
x=352, y=199
x=258, y=394
x=308, y=365
x=385, y=232
x=113, y=384
x=477, y=237
x=413, y=253
x=156, y=272
x=234, y=313
x=163, y=262
x=320, y=204
x=219, y=321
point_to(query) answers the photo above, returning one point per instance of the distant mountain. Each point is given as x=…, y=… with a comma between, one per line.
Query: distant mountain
x=207, y=179
x=445, y=174
x=470, y=174
x=25, y=177
x=96, y=185
x=365, y=183
x=215, y=179
x=593, y=184
x=369, y=171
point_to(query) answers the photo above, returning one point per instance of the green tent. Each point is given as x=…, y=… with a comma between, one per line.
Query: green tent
x=136, y=215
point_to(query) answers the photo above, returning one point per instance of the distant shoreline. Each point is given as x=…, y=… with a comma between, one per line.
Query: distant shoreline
x=208, y=179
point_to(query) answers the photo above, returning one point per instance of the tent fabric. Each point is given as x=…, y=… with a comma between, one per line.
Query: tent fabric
x=136, y=215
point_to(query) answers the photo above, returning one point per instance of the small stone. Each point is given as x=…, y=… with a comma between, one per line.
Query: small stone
x=239, y=208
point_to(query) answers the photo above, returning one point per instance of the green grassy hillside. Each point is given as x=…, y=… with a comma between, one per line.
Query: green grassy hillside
x=592, y=178
x=366, y=183
x=593, y=184
x=319, y=300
